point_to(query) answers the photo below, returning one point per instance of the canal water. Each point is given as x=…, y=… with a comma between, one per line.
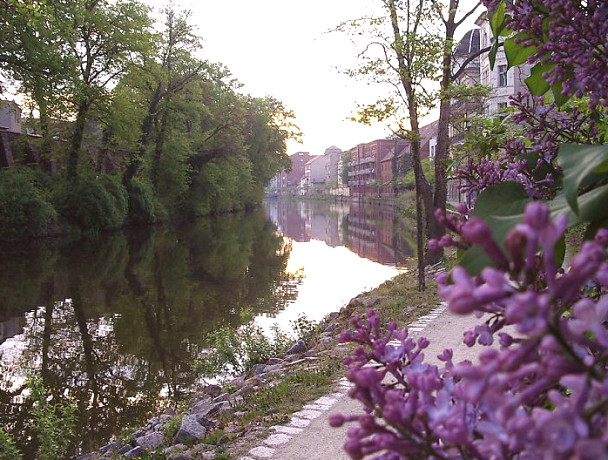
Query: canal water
x=115, y=323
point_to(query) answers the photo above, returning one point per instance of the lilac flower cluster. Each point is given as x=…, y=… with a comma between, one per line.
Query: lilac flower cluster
x=529, y=159
x=572, y=36
x=540, y=393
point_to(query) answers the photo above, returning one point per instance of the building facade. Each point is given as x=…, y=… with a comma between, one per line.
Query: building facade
x=314, y=175
x=364, y=170
x=10, y=117
x=504, y=82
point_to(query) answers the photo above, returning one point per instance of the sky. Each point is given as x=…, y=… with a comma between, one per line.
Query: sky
x=282, y=48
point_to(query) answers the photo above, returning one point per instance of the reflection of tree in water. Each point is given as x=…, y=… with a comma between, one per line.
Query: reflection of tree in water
x=140, y=307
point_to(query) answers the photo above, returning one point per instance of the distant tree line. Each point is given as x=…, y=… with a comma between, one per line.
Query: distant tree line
x=139, y=127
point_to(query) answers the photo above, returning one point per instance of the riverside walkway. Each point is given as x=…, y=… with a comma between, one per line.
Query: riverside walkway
x=308, y=434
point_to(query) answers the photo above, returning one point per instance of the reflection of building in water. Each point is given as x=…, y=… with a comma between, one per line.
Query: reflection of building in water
x=372, y=234
x=368, y=231
x=289, y=217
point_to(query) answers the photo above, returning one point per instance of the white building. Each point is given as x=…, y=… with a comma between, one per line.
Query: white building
x=10, y=117
x=504, y=82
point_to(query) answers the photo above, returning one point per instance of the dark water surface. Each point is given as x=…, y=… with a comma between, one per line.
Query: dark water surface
x=116, y=324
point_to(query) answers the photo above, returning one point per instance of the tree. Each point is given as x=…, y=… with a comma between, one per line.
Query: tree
x=540, y=394
x=407, y=52
x=402, y=53
x=448, y=76
x=28, y=47
x=163, y=76
x=102, y=40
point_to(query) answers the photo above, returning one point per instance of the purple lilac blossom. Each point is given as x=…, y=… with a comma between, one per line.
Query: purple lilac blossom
x=541, y=394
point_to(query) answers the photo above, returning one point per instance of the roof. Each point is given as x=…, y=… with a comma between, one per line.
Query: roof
x=389, y=156
x=313, y=158
x=469, y=43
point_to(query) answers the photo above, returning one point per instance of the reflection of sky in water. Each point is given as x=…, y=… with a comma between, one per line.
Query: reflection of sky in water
x=331, y=277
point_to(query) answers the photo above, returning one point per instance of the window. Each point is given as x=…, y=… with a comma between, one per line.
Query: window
x=432, y=155
x=502, y=75
x=502, y=106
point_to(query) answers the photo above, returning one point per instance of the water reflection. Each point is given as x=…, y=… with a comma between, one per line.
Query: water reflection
x=114, y=323
x=374, y=232
x=339, y=250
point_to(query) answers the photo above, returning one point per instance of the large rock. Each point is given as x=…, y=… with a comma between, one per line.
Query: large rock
x=258, y=369
x=366, y=302
x=213, y=390
x=135, y=452
x=151, y=441
x=298, y=347
x=190, y=431
x=206, y=407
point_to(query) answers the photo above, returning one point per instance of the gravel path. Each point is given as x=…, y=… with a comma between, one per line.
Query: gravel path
x=308, y=435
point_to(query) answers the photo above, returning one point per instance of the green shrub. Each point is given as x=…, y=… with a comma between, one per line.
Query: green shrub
x=55, y=423
x=8, y=449
x=235, y=352
x=119, y=197
x=24, y=209
x=91, y=205
x=305, y=328
x=142, y=204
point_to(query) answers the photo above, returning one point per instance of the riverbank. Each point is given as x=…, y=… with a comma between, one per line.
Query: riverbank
x=223, y=422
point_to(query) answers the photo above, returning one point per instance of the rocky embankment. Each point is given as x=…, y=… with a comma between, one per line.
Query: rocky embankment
x=212, y=420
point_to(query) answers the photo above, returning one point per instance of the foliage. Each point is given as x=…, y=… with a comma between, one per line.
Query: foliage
x=24, y=209
x=55, y=423
x=91, y=205
x=236, y=352
x=141, y=203
x=304, y=328
x=134, y=99
x=408, y=180
x=8, y=449
x=172, y=426
x=346, y=158
x=541, y=393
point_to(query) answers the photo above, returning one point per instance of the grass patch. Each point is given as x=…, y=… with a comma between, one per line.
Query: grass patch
x=172, y=427
x=274, y=404
x=401, y=301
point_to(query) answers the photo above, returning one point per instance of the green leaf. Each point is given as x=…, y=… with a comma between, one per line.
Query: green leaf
x=492, y=53
x=498, y=200
x=497, y=19
x=536, y=82
x=591, y=207
x=560, y=251
x=560, y=99
x=602, y=168
x=502, y=208
x=515, y=53
x=474, y=260
x=579, y=163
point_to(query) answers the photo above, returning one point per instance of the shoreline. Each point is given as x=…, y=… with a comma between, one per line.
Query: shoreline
x=221, y=422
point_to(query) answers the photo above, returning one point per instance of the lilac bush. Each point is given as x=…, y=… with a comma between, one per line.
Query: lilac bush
x=529, y=158
x=541, y=392
x=569, y=37
x=539, y=389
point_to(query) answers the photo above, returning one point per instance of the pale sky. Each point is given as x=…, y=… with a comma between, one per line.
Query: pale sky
x=280, y=48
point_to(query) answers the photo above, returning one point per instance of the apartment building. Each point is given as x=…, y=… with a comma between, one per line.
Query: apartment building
x=505, y=82
x=314, y=175
x=364, y=177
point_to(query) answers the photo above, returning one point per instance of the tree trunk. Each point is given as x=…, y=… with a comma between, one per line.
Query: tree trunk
x=76, y=140
x=423, y=191
x=435, y=229
x=158, y=147
x=147, y=125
